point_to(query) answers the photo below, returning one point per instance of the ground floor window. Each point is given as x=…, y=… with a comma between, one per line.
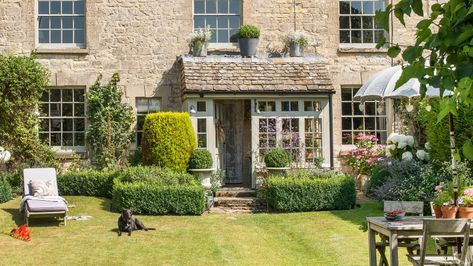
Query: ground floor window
x=202, y=132
x=62, y=115
x=144, y=106
x=267, y=135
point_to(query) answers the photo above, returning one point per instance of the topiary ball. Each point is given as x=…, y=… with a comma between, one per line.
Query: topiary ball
x=277, y=157
x=248, y=32
x=200, y=159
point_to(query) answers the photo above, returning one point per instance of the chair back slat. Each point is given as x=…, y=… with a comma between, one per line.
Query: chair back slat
x=39, y=174
x=414, y=207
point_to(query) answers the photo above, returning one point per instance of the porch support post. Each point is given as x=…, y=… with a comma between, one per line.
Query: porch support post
x=330, y=110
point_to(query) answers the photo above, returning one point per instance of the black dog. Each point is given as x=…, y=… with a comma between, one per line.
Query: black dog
x=127, y=223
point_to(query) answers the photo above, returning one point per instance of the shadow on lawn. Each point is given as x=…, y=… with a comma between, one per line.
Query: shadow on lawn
x=358, y=215
x=16, y=216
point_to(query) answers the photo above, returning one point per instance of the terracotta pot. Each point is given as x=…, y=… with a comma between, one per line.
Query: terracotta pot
x=465, y=212
x=449, y=212
x=437, y=211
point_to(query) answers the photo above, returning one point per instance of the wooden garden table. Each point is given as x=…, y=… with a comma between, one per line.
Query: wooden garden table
x=409, y=227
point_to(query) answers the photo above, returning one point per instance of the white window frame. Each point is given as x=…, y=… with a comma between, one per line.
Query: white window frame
x=72, y=45
x=362, y=45
x=227, y=45
x=144, y=113
x=76, y=148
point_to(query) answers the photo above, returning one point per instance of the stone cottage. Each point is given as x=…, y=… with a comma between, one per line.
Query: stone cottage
x=240, y=107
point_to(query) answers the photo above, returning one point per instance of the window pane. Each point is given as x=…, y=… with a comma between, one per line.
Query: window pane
x=344, y=22
x=202, y=140
x=201, y=125
x=346, y=94
x=67, y=36
x=44, y=137
x=344, y=36
x=367, y=22
x=43, y=22
x=43, y=36
x=201, y=107
x=235, y=6
x=199, y=22
x=223, y=36
x=44, y=109
x=67, y=109
x=79, y=36
x=222, y=21
x=211, y=20
x=222, y=6
x=199, y=6
x=271, y=106
x=79, y=7
x=355, y=22
x=55, y=95
x=43, y=8
x=285, y=106
x=67, y=139
x=155, y=105
x=346, y=109
x=379, y=35
x=356, y=36
x=368, y=36
x=358, y=123
x=67, y=7
x=294, y=106
x=55, y=36
x=368, y=7
x=55, y=109
x=79, y=109
x=67, y=124
x=55, y=23
x=142, y=105
x=79, y=124
x=344, y=7
x=56, y=124
x=55, y=7
x=67, y=22
x=356, y=7
x=56, y=139
x=346, y=123
x=67, y=95
x=78, y=95
x=211, y=6
x=369, y=123
x=356, y=108
x=234, y=22
x=380, y=5
x=44, y=126
x=347, y=138
x=79, y=139
x=79, y=23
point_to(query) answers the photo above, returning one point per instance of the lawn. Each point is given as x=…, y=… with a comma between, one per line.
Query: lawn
x=311, y=238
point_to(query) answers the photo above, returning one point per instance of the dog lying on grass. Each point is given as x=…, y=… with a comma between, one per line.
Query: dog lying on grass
x=127, y=223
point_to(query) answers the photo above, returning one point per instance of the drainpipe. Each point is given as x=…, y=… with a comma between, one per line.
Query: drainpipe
x=330, y=111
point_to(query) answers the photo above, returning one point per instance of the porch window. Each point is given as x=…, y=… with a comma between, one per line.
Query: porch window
x=357, y=24
x=313, y=139
x=201, y=106
x=202, y=132
x=372, y=120
x=267, y=135
x=144, y=106
x=223, y=17
x=61, y=23
x=290, y=137
x=310, y=106
x=266, y=106
x=62, y=116
x=290, y=106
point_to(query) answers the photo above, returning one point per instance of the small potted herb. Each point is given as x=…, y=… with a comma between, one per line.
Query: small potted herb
x=277, y=161
x=443, y=198
x=248, y=39
x=199, y=41
x=200, y=165
x=295, y=42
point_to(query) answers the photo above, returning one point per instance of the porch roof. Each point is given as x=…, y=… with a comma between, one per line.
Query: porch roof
x=231, y=74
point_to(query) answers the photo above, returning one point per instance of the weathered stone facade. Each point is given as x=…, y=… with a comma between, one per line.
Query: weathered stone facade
x=141, y=39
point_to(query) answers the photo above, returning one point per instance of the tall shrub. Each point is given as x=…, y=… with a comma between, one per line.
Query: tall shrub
x=22, y=83
x=110, y=124
x=168, y=140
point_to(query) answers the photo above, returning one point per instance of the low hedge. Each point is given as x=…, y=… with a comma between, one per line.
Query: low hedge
x=310, y=194
x=153, y=198
x=87, y=183
x=162, y=176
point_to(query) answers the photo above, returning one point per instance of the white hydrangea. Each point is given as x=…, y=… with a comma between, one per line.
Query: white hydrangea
x=401, y=144
x=427, y=146
x=409, y=140
x=407, y=156
x=421, y=155
x=388, y=153
x=4, y=155
x=393, y=138
x=391, y=147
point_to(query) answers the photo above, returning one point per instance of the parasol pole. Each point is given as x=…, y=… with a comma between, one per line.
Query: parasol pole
x=451, y=127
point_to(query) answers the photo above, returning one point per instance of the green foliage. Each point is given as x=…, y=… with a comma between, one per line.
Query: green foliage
x=109, y=131
x=200, y=159
x=160, y=176
x=168, y=140
x=152, y=198
x=277, y=157
x=22, y=83
x=87, y=183
x=15, y=179
x=5, y=190
x=445, y=38
x=248, y=32
x=442, y=198
x=310, y=194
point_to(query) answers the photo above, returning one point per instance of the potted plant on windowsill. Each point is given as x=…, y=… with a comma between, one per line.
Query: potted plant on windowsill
x=248, y=39
x=295, y=42
x=199, y=41
x=277, y=161
x=465, y=201
x=200, y=165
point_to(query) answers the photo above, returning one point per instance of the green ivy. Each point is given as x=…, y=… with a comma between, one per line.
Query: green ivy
x=22, y=83
x=110, y=124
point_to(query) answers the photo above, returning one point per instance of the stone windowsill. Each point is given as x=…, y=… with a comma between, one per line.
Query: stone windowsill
x=77, y=51
x=361, y=50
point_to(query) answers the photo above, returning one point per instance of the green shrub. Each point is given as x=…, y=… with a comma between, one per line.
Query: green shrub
x=248, y=32
x=5, y=191
x=277, y=157
x=200, y=159
x=87, y=183
x=15, y=179
x=159, y=176
x=168, y=140
x=152, y=198
x=310, y=194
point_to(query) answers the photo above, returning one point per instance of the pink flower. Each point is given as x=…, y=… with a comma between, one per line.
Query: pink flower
x=468, y=192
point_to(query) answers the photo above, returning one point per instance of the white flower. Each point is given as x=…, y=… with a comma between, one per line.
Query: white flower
x=409, y=140
x=388, y=153
x=201, y=34
x=402, y=144
x=391, y=147
x=427, y=156
x=421, y=155
x=393, y=138
x=5, y=156
x=407, y=156
x=427, y=146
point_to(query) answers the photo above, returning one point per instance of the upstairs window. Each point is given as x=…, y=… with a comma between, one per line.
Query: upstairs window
x=223, y=17
x=61, y=23
x=357, y=24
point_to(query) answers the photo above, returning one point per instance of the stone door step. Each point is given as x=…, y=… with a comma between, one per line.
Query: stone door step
x=236, y=192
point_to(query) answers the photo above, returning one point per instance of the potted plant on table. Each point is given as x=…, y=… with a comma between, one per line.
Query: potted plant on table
x=277, y=161
x=466, y=204
x=248, y=39
x=200, y=165
x=443, y=199
x=295, y=42
x=199, y=41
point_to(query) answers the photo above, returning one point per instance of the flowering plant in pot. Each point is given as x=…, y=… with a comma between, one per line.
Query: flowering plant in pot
x=444, y=200
x=465, y=201
x=248, y=39
x=295, y=42
x=199, y=41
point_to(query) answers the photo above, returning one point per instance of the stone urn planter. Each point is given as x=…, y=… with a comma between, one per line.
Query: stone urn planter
x=277, y=171
x=449, y=212
x=437, y=211
x=296, y=50
x=199, y=49
x=248, y=47
x=204, y=176
x=465, y=212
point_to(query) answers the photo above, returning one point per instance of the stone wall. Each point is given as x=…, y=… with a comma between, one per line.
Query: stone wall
x=141, y=39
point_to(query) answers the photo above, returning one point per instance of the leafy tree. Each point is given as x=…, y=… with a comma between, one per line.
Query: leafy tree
x=442, y=55
x=22, y=83
x=109, y=132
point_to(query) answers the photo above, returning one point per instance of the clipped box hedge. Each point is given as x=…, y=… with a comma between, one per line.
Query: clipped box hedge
x=87, y=183
x=310, y=194
x=161, y=176
x=153, y=198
